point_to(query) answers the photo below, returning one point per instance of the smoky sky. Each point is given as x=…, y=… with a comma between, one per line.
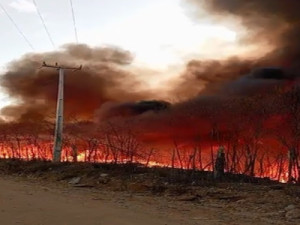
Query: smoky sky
x=272, y=22
x=129, y=109
x=216, y=89
x=104, y=78
x=106, y=87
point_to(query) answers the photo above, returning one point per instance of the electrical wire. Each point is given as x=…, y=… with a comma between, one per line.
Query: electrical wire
x=17, y=27
x=74, y=21
x=43, y=22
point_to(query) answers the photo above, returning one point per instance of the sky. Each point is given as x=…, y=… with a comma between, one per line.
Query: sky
x=159, y=33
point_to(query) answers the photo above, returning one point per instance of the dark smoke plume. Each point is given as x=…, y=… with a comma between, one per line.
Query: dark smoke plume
x=104, y=78
x=129, y=109
x=272, y=22
x=107, y=88
x=219, y=87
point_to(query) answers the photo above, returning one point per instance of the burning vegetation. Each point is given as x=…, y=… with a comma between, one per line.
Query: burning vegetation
x=251, y=106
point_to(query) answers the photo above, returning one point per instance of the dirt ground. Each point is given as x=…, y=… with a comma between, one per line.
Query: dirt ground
x=28, y=201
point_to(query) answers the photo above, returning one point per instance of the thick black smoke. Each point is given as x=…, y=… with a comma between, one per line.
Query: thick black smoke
x=129, y=109
x=272, y=22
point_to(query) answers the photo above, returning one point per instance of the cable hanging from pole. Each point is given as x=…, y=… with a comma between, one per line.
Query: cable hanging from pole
x=43, y=22
x=17, y=27
x=74, y=21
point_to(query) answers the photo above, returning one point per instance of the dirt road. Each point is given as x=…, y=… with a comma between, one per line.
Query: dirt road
x=26, y=201
x=22, y=202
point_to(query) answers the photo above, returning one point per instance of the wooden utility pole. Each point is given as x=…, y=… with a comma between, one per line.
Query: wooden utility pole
x=58, y=134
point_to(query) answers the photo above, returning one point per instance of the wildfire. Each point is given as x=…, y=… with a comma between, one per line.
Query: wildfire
x=31, y=152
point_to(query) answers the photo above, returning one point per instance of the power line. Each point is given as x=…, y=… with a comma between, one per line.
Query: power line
x=43, y=22
x=74, y=21
x=17, y=27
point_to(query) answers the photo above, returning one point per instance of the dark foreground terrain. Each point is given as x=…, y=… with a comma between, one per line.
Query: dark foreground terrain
x=42, y=193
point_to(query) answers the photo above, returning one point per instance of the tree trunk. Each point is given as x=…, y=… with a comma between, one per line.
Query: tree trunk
x=219, y=164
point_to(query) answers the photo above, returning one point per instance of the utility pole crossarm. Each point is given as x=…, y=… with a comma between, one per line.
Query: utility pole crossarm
x=58, y=135
x=56, y=66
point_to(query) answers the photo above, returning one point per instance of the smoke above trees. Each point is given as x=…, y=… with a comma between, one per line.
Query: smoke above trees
x=241, y=101
x=104, y=78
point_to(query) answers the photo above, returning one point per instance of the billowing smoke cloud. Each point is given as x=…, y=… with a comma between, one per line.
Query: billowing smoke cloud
x=106, y=89
x=270, y=22
x=104, y=78
x=218, y=87
x=129, y=109
x=221, y=104
x=207, y=77
x=273, y=21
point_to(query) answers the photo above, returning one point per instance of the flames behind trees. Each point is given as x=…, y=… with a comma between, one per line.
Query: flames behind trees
x=250, y=105
x=257, y=133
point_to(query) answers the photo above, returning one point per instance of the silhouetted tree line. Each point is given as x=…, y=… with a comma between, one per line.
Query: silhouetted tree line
x=260, y=136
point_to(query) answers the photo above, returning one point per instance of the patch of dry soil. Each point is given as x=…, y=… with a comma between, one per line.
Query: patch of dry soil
x=31, y=202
